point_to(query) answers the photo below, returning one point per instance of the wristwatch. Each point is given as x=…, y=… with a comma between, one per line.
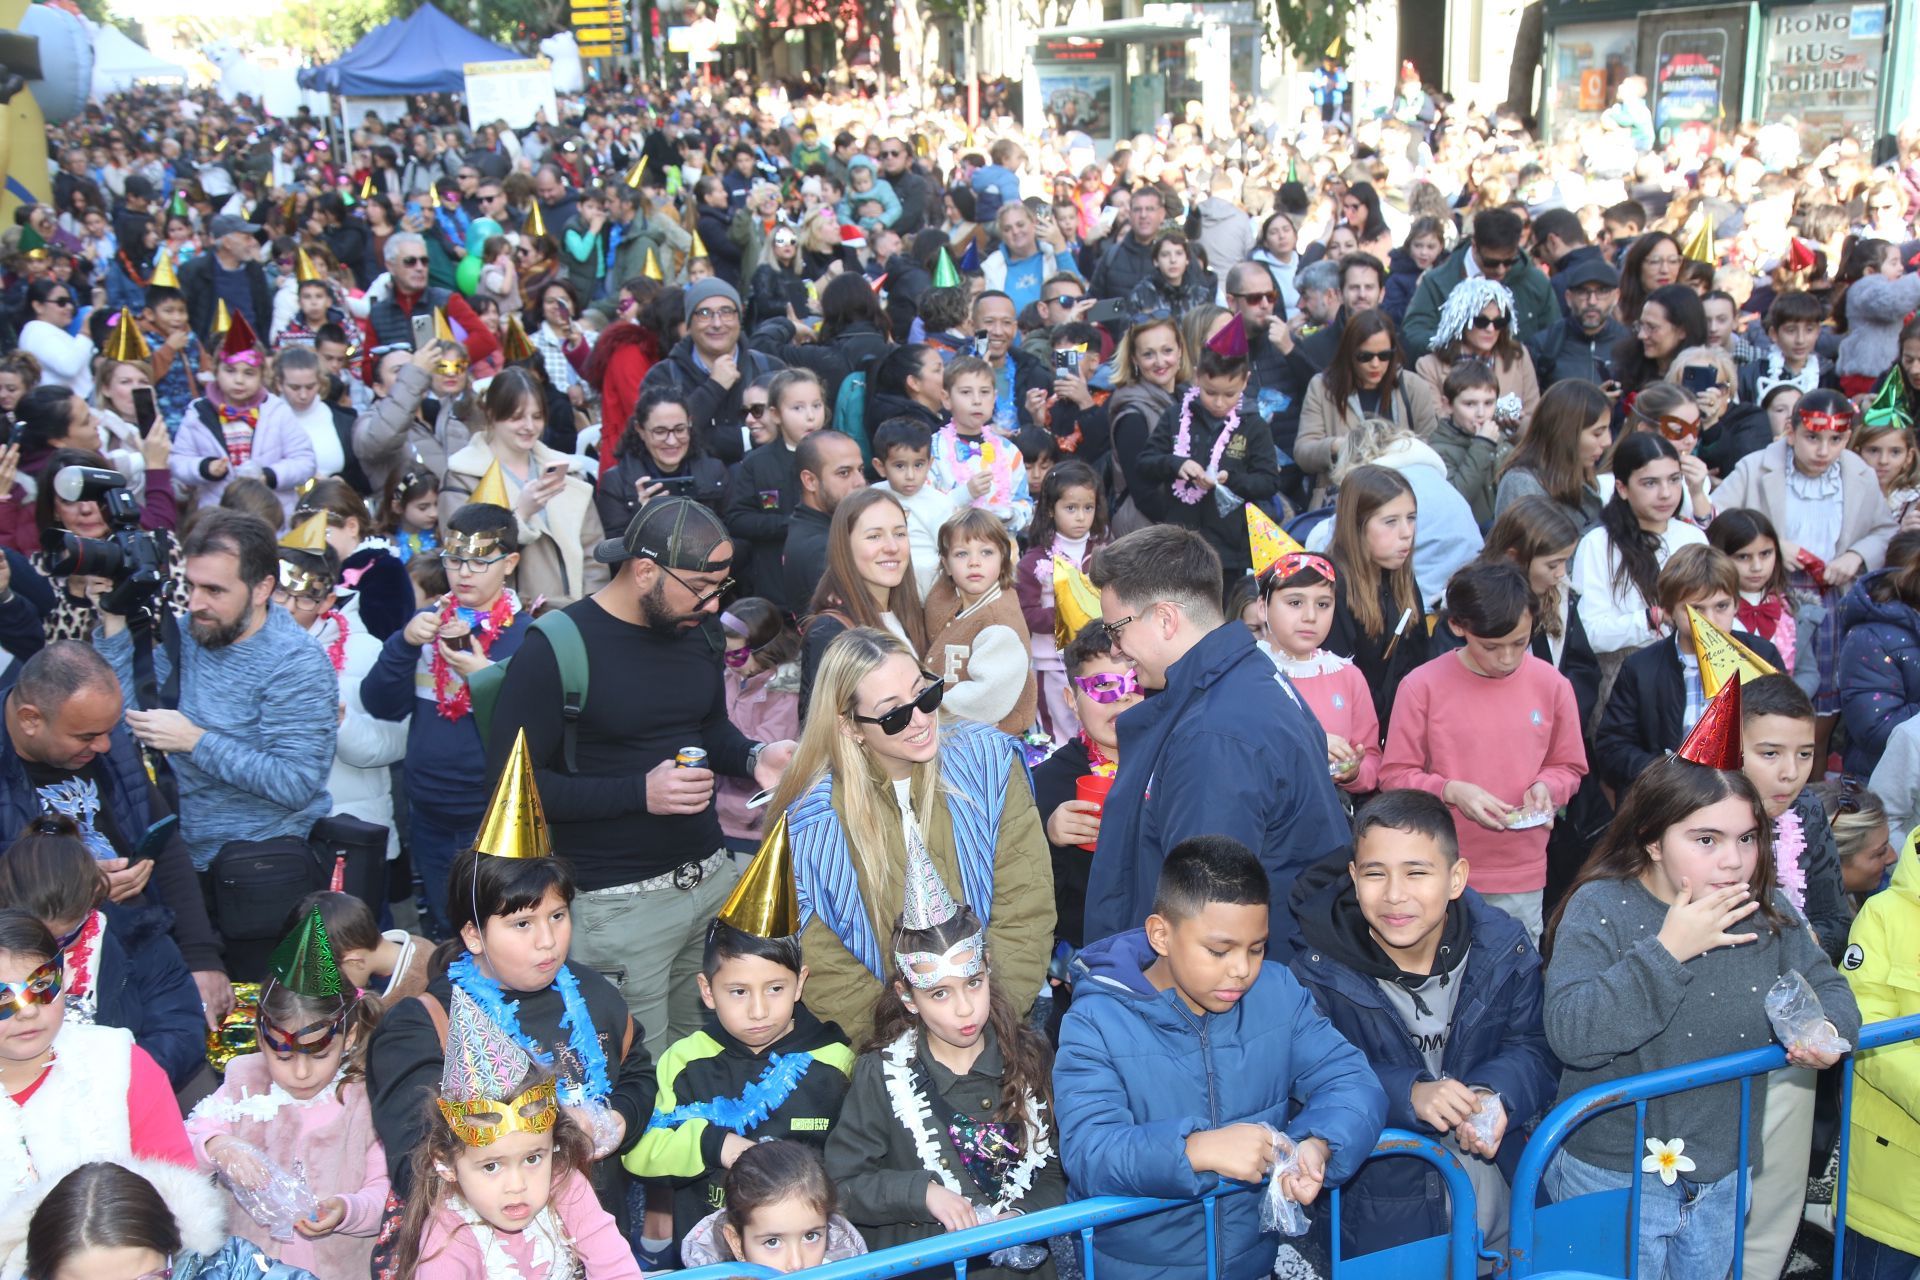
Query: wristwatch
x=753, y=757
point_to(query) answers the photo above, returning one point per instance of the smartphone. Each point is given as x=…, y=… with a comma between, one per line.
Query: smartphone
x=1109, y=311
x=459, y=644
x=1697, y=378
x=144, y=409
x=1066, y=363
x=422, y=332
x=413, y=208
x=677, y=486
x=17, y=434
x=154, y=839
x=562, y=466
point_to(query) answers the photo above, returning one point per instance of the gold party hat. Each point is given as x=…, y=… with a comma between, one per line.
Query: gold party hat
x=699, y=249
x=310, y=535
x=515, y=825
x=366, y=187
x=514, y=346
x=651, y=267
x=639, y=168
x=126, y=342
x=443, y=327
x=764, y=902
x=1075, y=601
x=492, y=488
x=304, y=272
x=1699, y=246
x=163, y=276
x=1722, y=657
x=536, y=224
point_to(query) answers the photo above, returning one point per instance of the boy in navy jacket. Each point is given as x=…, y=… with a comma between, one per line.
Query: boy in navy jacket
x=1442, y=993
x=1182, y=1044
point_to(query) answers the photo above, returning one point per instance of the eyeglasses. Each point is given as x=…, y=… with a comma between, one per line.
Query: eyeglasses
x=700, y=600
x=1373, y=357
x=1489, y=322
x=285, y=599
x=1258, y=299
x=467, y=564
x=1663, y=262
x=894, y=723
x=164, y=1273
x=42, y=986
x=668, y=433
x=711, y=315
x=412, y=260
x=1108, y=687
x=891, y=153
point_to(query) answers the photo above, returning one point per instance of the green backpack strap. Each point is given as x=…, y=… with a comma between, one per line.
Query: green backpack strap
x=569, y=655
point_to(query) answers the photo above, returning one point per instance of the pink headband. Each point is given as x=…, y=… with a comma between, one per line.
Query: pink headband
x=242, y=357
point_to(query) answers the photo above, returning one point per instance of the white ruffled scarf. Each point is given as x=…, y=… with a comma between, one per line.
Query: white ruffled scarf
x=544, y=1235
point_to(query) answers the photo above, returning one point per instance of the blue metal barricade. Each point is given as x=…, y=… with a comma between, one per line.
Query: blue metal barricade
x=1599, y=1233
x=1452, y=1256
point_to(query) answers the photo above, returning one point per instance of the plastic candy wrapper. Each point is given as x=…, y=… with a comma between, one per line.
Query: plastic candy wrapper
x=237, y=1033
x=1015, y=1257
x=1797, y=1018
x=270, y=1195
x=1485, y=1122
x=1226, y=501
x=1523, y=818
x=602, y=1124
x=1277, y=1211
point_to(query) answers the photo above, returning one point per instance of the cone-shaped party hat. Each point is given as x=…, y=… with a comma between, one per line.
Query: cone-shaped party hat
x=1699, y=246
x=239, y=342
x=492, y=488
x=514, y=346
x=651, y=267
x=1231, y=341
x=310, y=535
x=304, y=961
x=1722, y=658
x=482, y=1069
x=163, y=276
x=177, y=207
x=366, y=187
x=1715, y=740
x=639, y=168
x=764, y=902
x=1075, y=600
x=222, y=318
x=928, y=906
x=970, y=260
x=1267, y=541
x=536, y=222
x=945, y=275
x=515, y=825
x=1888, y=408
x=125, y=341
x=699, y=249
x=304, y=271
x=1799, y=255
x=443, y=327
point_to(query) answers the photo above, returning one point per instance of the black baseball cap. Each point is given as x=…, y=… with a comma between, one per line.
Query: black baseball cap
x=1591, y=271
x=674, y=533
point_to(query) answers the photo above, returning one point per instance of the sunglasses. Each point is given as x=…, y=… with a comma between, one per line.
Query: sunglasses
x=42, y=986
x=1108, y=687
x=754, y=410
x=414, y=260
x=1489, y=322
x=1373, y=357
x=66, y=301
x=1258, y=299
x=895, y=722
x=1497, y=264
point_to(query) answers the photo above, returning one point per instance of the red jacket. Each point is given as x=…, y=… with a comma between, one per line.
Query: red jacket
x=616, y=368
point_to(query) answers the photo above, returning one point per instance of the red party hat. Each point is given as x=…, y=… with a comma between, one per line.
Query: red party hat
x=1231, y=341
x=1799, y=255
x=1715, y=741
x=239, y=340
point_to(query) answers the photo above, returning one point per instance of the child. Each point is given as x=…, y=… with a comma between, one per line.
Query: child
x=410, y=511
x=1660, y=957
x=782, y=1212
x=1494, y=732
x=903, y=452
x=300, y=1105
x=762, y=1068
x=766, y=485
x=499, y=1182
x=1299, y=600
x=1184, y=1050
x=177, y=354
x=948, y=1121
x=967, y=456
x=239, y=428
x=1834, y=526
x=1378, y=623
x=398, y=960
x=1040, y=452
x=977, y=639
x=1069, y=521
x=1244, y=604
x=1660, y=694
x=1776, y=735
x=1747, y=537
x=1889, y=449
x=1470, y=438
x=1793, y=323
x=1442, y=993
x=422, y=673
x=1617, y=564
x=1213, y=461
x=1779, y=404
x=763, y=700
x=122, y=967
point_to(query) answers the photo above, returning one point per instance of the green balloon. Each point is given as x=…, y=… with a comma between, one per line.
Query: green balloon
x=479, y=231
x=467, y=274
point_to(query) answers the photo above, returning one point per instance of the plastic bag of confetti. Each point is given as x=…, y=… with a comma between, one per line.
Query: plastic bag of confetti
x=1015, y=1257
x=273, y=1197
x=1797, y=1018
x=1278, y=1212
x=1486, y=1121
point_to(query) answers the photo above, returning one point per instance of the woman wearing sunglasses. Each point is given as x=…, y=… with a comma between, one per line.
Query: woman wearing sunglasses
x=874, y=760
x=66, y=358
x=780, y=281
x=1476, y=323
x=1364, y=380
x=135, y=1220
x=102, y=1097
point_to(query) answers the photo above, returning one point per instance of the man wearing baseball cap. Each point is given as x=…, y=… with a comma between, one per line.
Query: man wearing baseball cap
x=639, y=831
x=712, y=367
x=231, y=273
x=1581, y=344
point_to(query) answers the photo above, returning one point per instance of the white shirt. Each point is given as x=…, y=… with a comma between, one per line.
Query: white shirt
x=65, y=359
x=329, y=459
x=1616, y=618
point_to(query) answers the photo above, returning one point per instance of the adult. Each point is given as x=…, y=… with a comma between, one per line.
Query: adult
x=1129, y=258
x=1021, y=383
x=1279, y=251
x=621, y=358
x=231, y=274
x=831, y=469
x=874, y=776
x=1581, y=343
x=852, y=335
x=659, y=450
x=1477, y=324
x=1023, y=263
x=714, y=221
x=1670, y=320
x=1360, y=210
x=391, y=318
x=66, y=359
x=638, y=831
x=1364, y=379
x=1150, y=363
x=404, y=422
x=559, y=205
x=780, y=284
x=908, y=383
x=1221, y=228
x=868, y=583
x=1176, y=285
x=1560, y=245
x=65, y=749
x=712, y=367
x=1653, y=262
x=915, y=191
x=71, y=615
x=1225, y=748
x=1493, y=251
x=346, y=236
x=254, y=735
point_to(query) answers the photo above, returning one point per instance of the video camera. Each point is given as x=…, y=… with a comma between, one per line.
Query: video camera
x=128, y=555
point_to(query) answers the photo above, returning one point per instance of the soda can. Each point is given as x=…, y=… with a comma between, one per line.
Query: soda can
x=690, y=758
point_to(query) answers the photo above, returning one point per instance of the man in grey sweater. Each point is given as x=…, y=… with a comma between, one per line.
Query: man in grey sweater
x=253, y=740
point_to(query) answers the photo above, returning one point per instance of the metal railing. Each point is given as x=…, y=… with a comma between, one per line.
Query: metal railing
x=1529, y=1254
x=1082, y=1218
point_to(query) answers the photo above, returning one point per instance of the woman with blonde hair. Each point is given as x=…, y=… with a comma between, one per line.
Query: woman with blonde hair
x=1151, y=361
x=875, y=768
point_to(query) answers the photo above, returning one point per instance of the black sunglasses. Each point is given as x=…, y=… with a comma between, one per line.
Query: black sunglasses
x=1488, y=322
x=1373, y=357
x=420, y=261
x=895, y=722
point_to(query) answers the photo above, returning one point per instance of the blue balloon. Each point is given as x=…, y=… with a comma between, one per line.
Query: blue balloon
x=480, y=230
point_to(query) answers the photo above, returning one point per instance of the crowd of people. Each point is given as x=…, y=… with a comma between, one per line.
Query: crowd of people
x=754, y=675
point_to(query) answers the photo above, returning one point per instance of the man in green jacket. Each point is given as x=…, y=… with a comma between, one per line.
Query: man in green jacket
x=1494, y=252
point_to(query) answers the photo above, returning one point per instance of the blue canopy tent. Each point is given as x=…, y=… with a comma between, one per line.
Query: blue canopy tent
x=424, y=52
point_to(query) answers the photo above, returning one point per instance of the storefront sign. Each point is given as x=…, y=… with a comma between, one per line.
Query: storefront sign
x=1823, y=67
x=1689, y=71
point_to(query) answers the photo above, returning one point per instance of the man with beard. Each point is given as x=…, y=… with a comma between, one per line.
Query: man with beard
x=633, y=819
x=253, y=739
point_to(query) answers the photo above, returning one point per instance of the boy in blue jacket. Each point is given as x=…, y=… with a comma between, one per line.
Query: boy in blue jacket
x=1442, y=993
x=1182, y=1043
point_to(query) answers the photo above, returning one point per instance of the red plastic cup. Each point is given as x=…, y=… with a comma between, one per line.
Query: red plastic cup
x=1093, y=789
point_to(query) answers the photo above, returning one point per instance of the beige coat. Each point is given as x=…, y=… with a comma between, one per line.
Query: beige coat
x=1413, y=405
x=1759, y=481
x=1515, y=378
x=556, y=548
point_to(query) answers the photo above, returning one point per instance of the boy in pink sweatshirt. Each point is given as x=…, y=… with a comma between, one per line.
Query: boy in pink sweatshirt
x=1494, y=732
x=1298, y=593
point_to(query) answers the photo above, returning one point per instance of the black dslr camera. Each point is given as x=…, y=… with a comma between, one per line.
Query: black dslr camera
x=128, y=555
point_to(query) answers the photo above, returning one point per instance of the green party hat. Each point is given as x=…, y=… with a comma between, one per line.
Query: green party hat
x=303, y=962
x=945, y=274
x=1888, y=408
x=178, y=208
x=1293, y=168
x=30, y=240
